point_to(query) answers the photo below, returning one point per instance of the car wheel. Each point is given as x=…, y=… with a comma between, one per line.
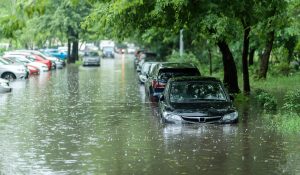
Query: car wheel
x=9, y=76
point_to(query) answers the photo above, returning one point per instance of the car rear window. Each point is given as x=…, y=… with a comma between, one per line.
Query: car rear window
x=166, y=74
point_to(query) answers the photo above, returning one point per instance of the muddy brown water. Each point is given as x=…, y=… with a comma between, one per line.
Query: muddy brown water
x=90, y=120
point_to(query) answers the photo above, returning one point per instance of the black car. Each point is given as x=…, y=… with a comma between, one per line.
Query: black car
x=108, y=52
x=162, y=72
x=196, y=100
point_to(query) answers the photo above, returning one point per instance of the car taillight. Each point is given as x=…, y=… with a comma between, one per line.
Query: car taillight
x=156, y=84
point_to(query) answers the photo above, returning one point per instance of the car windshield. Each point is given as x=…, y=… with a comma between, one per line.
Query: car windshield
x=3, y=62
x=108, y=49
x=166, y=74
x=181, y=92
x=146, y=67
x=91, y=54
x=21, y=59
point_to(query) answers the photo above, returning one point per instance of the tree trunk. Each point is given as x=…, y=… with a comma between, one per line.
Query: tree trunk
x=251, y=56
x=246, y=81
x=69, y=50
x=265, y=58
x=75, y=49
x=230, y=72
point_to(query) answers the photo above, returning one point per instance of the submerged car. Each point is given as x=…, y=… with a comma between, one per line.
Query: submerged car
x=56, y=63
x=196, y=100
x=14, y=60
x=60, y=54
x=162, y=72
x=108, y=52
x=12, y=71
x=146, y=69
x=91, y=59
x=28, y=61
x=4, y=86
x=32, y=57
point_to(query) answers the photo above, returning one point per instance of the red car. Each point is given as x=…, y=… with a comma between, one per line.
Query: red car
x=42, y=60
x=33, y=70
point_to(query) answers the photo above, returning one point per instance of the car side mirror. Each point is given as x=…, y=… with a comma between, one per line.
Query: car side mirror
x=231, y=97
x=161, y=98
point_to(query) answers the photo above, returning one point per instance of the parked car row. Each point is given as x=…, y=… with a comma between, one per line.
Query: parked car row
x=183, y=95
x=20, y=64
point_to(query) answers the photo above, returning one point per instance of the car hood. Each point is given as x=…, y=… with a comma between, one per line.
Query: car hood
x=202, y=108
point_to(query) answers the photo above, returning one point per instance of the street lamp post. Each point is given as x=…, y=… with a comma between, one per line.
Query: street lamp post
x=181, y=45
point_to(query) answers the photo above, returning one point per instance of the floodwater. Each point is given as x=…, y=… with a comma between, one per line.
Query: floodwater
x=90, y=120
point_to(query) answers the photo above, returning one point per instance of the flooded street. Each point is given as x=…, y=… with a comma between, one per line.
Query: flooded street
x=97, y=120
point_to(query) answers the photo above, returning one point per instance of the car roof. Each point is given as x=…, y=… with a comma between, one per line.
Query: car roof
x=168, y=65
x=193, y=78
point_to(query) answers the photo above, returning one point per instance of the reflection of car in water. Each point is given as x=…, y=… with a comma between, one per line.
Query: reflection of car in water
x=108, y=52
x=91, y=59
x=4, y=86
x=196, y=100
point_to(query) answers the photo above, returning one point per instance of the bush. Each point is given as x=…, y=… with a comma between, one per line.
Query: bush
x=266, y=100
x=284, y=122
x=185, y=58
x=283, y=69
x=292, y=101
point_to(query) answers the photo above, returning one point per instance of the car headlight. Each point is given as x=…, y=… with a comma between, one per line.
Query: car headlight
x=172, y=117
x=230, y=116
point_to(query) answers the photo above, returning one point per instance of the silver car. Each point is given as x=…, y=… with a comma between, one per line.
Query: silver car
x=91, y=58
x=12, y=71
x=4, y=86
x=147, y=67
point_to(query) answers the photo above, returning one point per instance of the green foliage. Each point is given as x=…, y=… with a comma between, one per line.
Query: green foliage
x=282, y=68
x=285, y=122
x=185, y=58
x=292, y=101
x=266, y=100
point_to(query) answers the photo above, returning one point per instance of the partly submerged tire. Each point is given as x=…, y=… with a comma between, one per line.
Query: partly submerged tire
x=8, y=76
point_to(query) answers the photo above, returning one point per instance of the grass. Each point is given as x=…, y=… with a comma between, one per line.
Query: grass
x=279, y=83
x=79, y=62
x=284, y=122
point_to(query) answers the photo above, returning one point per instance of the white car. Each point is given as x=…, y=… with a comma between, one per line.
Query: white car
x=4, y=86
x=11, y=71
